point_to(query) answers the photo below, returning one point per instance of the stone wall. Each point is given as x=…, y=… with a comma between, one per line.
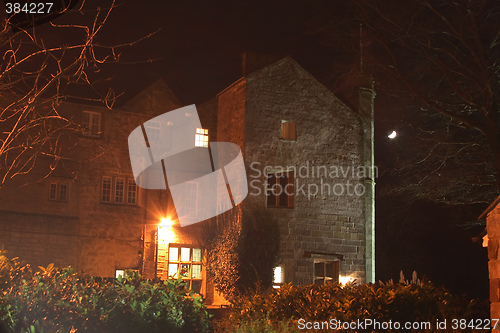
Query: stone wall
x=84, y=232
x=328, y=134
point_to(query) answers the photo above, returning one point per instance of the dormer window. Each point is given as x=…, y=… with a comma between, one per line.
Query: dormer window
x=91, y=123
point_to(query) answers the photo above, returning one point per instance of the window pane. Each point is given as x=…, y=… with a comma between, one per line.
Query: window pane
x=185, y=271
x=196, y=271
x=86, y=122
x=63, y=192
x=185, y=254
x=282, y=190
x=197, y=255
x=119, y=190
x=271, y=190
x=188, y=199
x=196, y=286
x=53, y=192
x=153, y=130
x=96, y=123
x=319, y=269
x=201, y=138
x=329, y=269
x=120, y=272
x=106, y=189
x=288, y=131
x=277, y=275
x=131, y=192
x=173, y=254
x=172, y=270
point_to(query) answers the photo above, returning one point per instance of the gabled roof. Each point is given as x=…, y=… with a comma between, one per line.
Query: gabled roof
x=150, y=99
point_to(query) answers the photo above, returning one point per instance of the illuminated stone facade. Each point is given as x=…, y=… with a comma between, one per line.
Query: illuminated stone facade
x=279, y=115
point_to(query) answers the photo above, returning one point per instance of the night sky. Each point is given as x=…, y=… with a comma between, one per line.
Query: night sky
x=196, y=50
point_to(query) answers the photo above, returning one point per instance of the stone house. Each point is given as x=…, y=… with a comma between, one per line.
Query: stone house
x=491, y=239
x=294, y=134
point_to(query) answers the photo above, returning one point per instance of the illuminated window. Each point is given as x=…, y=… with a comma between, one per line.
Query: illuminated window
x=124, y=273
x=185, y=262
x=326, y=272
x=58, y=191
x=288, y=130
x=201, y=138
x=278, y=277
x=91, y=123
x=280, y=190
x=118, y=190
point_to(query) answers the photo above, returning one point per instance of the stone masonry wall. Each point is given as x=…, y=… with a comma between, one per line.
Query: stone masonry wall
x=328, y=134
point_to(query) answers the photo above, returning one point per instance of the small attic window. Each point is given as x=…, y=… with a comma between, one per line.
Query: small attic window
x=288, y=130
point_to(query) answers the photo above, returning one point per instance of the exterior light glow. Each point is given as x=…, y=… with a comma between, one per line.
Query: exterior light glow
x=392, y=135
x=345, y=279
x=165, y=222
x=165, y=233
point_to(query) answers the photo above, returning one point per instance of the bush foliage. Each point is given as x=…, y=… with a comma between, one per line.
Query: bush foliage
x=281, y=310
x=61, y=300
x=242, y=248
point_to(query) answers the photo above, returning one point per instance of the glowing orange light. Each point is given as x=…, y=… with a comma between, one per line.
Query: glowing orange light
x=345, y=279
x=165, y=233
x=165, y=222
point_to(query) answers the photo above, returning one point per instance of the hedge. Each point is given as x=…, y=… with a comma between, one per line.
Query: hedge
x=62, y=300
x=281, y=310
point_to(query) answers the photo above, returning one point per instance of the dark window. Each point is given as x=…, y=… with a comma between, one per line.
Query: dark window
x=118, y=190
x=326, y=272
x=106, y=189
x=131, y=192
x=58, y=191
x=63, y=192
x=288, y=130
x=53, y=191
x=91, y=123
x=280, y=189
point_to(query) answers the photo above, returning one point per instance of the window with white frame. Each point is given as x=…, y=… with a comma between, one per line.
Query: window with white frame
x=118, y=190
x=326, y=272
x=91, y=123
x=188, y=199
x=185, y=262
x=201, y=138
x=131, y=192
x=153, y=129
x=58, y=191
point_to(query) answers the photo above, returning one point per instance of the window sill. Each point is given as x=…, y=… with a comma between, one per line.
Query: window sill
x=119, y=204
x=280, y=207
